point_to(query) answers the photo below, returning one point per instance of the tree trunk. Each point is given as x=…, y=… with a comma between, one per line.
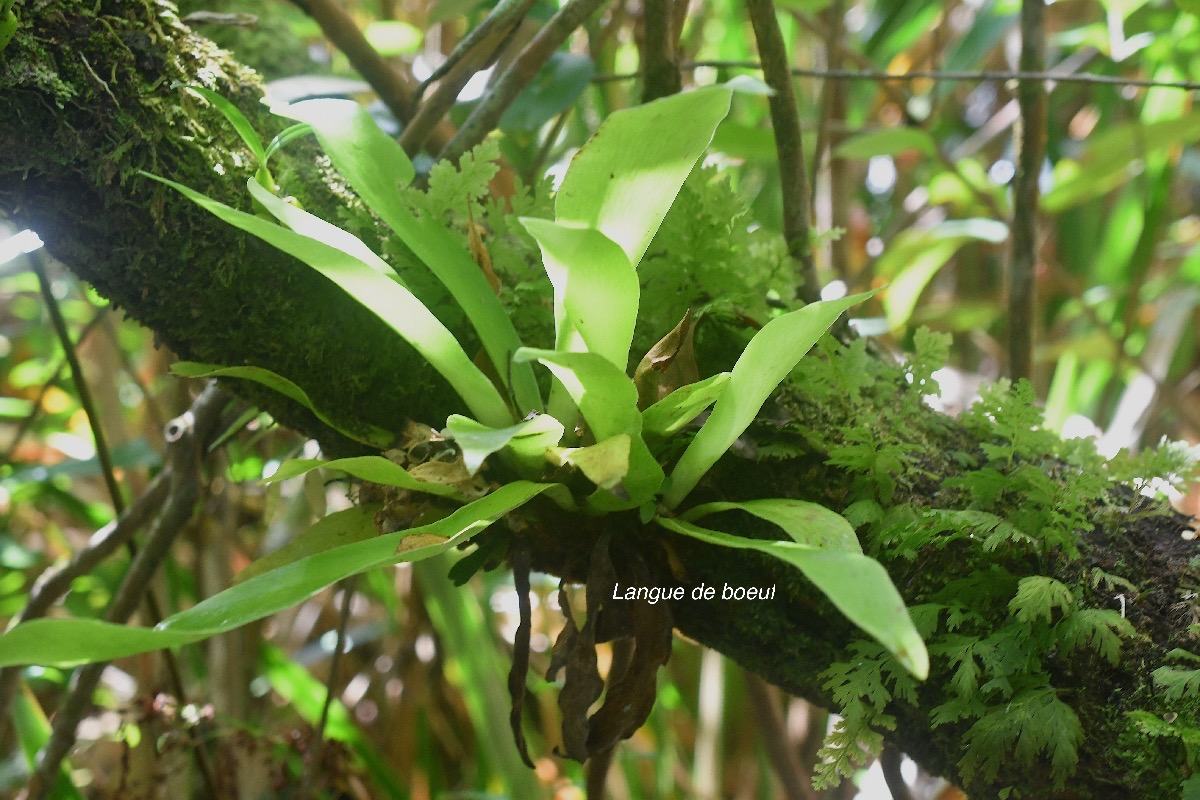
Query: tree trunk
x=88, y=102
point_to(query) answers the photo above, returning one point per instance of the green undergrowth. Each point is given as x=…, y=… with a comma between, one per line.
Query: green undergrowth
x=986, y=555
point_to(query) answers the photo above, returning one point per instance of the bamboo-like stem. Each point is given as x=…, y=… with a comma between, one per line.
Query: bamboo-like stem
x=1031, y=96
x=789, y=144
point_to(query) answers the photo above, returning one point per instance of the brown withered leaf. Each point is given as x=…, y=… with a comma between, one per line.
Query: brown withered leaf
x=520, y=663
x=630, y=696
x=671, y=363
x=479, y=251
x=582, y=684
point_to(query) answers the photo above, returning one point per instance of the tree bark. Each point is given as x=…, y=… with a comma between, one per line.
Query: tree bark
x=88, y=102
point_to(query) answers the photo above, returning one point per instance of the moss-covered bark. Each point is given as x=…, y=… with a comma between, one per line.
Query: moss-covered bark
x=88, y=101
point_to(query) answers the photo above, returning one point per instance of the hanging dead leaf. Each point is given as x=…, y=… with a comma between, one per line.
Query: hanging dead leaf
x=671, y=363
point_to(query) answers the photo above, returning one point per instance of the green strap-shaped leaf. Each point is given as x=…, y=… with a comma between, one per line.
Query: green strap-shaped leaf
x=528, y=440
x=355, y=524
x=607, y=399
x=771, y=355
x=806, y=523
x=375, y=469
x=236, y=118
x=857, y=585
x=388, y=300
x=314, y=227
x=376, y=437
x=377, y=168
x=623, y=181
x=67, y=642
x=596, y=290
x=683, y=405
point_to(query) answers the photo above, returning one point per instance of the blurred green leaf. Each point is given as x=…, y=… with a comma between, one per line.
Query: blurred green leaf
x=553, y=90
x=887, y=142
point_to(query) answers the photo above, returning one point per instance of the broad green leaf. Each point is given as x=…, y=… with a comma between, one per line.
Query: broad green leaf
x=607, y=399
x=627, y=175
x=887, y=142
x=314, y=227
x=596, y=291
x=376, y=168
x=388, y=300
x=341, y=527
x=857, y=585
x=806, y=523
x=683, y=405
x=393, y=38
x=67, y=642
x=529, y=440
x=375, y=469
x=376, y=437
x=768, y=358
x=236, y=118
x=605, y=464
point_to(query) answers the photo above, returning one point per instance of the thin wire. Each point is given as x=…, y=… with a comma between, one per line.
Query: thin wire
x=917, y=75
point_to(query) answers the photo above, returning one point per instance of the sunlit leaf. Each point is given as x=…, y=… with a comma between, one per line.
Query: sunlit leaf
x=771, y=355
x=627, y=175
x=529, y=440
x=388, y=300
x=595, y=289
x=377, y=168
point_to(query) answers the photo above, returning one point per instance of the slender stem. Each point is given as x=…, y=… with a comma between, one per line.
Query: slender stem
x=890, y=761
x=785, y=120
x=963, y=76
x=523, y=69
x=1031, y=96
x=39, y=260
x=313, y=758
